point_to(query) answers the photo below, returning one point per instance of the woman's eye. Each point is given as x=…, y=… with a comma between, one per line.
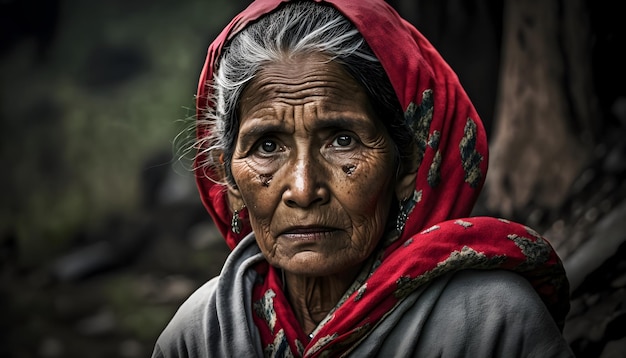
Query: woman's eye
x=342, y=141
x=268, y=146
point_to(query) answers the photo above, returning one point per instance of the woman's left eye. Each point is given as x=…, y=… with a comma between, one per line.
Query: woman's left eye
x=268, y=146
x=343, y=140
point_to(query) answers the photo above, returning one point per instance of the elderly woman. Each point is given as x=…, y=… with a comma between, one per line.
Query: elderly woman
x=338, y=154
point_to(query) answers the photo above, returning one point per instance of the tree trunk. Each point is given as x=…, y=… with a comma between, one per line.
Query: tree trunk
x=546, y=105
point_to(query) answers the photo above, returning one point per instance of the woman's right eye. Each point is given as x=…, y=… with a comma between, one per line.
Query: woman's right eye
x=267, y=146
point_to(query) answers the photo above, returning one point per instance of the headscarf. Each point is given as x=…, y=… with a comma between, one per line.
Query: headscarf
x=438, y=236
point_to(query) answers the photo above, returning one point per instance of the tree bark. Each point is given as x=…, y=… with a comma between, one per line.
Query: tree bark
x=546, y=105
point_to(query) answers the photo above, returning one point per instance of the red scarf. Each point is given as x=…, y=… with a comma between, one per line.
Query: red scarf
x=435, y=239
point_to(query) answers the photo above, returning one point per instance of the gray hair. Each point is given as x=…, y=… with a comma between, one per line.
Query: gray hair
x=301, y=27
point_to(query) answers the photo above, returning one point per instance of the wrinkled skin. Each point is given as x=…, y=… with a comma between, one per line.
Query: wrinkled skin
x=315, y=168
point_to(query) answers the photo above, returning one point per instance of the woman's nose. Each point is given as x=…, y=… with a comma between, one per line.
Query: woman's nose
x=307, y=184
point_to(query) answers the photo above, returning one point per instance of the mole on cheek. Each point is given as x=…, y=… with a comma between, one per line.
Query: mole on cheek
x=349, y=169
x=265, y=179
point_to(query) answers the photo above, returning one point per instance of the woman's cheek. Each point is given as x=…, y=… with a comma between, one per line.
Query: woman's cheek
x=251, y=173
x=256, y=189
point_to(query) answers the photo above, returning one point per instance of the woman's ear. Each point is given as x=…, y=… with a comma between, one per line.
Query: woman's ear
x=407, y=175
x=235, y=201
x=234, y=198
x=405, y=185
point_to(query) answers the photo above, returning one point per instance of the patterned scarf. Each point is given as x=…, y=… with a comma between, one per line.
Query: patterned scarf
x=438, y=238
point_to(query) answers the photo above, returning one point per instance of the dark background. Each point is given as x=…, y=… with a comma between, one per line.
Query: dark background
x=102, y=234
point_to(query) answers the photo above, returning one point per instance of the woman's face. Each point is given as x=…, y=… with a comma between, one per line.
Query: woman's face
x=313, y=166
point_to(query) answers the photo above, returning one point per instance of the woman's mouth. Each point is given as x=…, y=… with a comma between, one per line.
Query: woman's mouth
x=308, y=233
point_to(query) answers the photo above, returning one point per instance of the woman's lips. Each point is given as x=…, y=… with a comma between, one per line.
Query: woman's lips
x=308, y=233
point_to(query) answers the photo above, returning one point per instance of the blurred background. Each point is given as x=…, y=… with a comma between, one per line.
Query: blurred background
x=102, y=233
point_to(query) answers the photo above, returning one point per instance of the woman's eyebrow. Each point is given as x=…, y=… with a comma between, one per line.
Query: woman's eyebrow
x=254, y=129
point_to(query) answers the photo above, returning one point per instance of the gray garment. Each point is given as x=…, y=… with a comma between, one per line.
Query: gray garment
x=467, y=314
x=471, y=313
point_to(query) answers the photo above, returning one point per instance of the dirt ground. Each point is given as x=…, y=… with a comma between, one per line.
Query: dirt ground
x=105, y=300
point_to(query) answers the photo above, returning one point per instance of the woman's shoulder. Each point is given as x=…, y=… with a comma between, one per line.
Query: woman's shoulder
x=498, y=308
x=486, y=298
x=476, y=313
x=488, y=285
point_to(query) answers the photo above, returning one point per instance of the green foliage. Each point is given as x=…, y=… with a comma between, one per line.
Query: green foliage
x=72, y=151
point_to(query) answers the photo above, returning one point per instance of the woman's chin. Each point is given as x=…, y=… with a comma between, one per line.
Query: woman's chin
x=313, y=264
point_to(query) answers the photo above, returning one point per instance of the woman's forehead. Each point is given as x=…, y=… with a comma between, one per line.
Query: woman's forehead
x=311, y=82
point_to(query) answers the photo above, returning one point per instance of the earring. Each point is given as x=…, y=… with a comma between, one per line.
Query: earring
x=235, y=223
x=402, y=216
x=406, y=207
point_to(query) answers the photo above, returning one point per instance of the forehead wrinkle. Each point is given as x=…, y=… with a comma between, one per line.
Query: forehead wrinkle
x=323, y=88
x=293, y=74
x=302, y=92
x=273, y=99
